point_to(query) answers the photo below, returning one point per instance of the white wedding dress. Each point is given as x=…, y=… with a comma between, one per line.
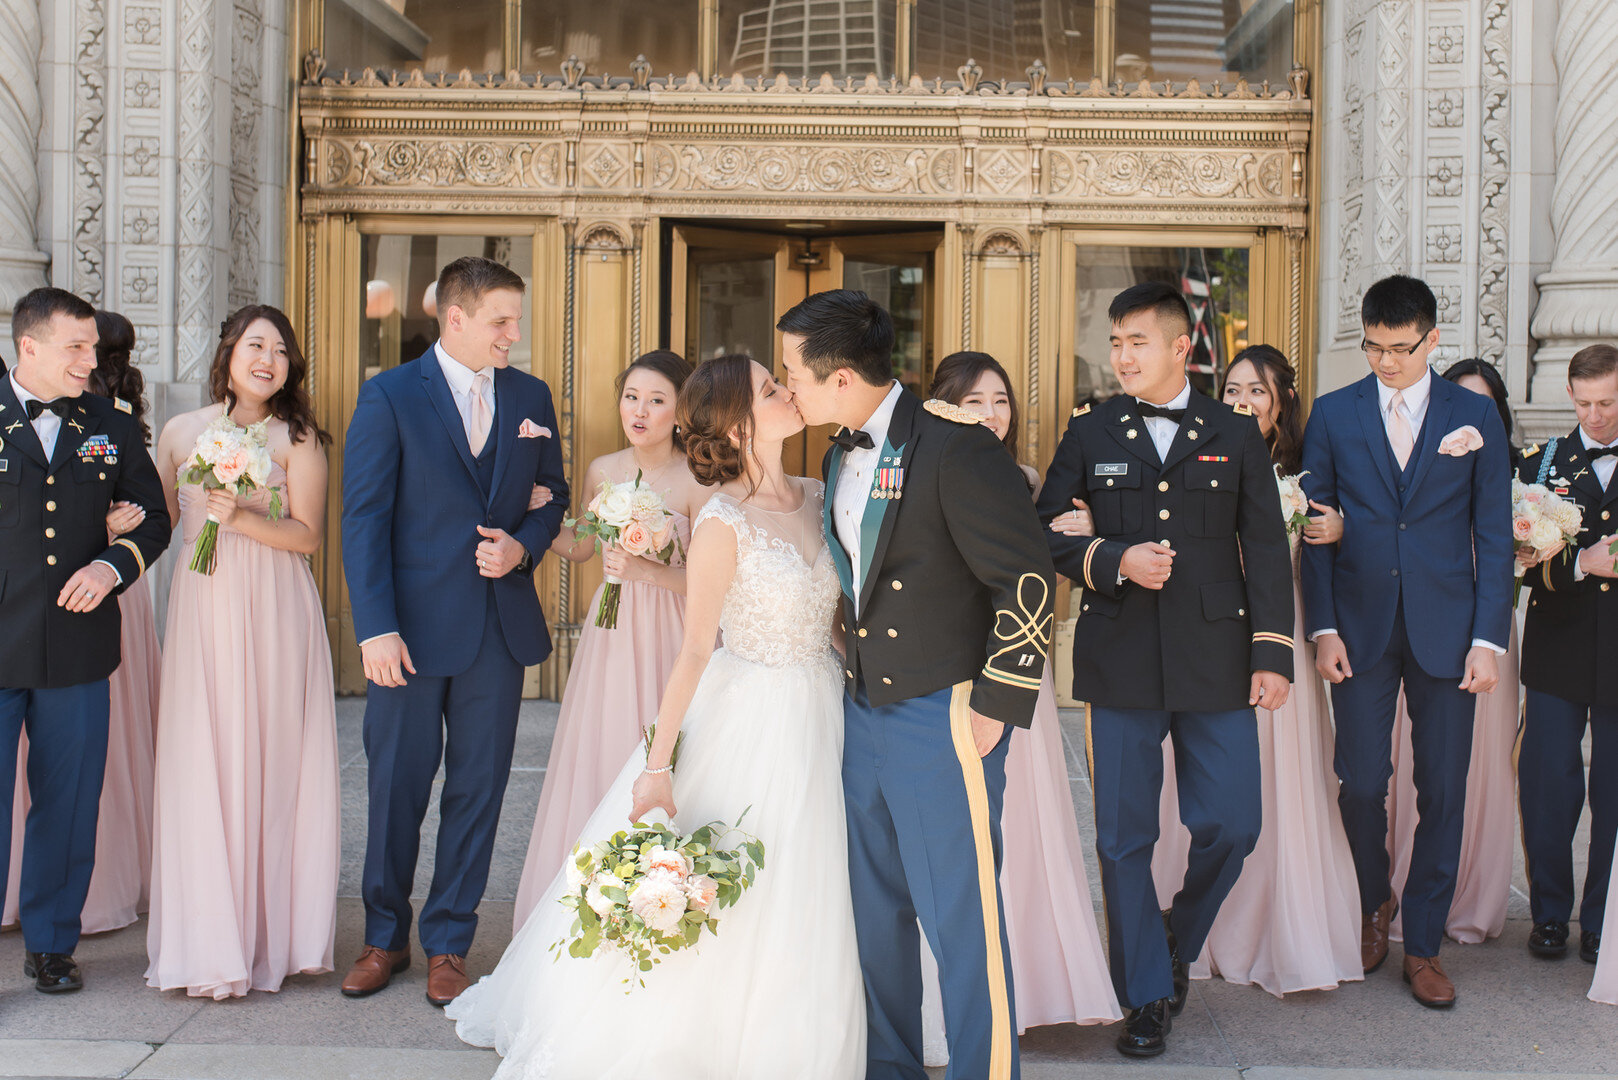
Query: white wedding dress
x=777, y=994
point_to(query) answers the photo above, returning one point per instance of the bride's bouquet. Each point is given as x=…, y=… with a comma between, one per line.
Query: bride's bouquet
x=231, y=458
x=1542, y=524
x=634, y=517
x=648, y=891
x=1294, y=503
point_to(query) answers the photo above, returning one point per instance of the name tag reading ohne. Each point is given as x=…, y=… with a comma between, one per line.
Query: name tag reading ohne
x=1120, y=468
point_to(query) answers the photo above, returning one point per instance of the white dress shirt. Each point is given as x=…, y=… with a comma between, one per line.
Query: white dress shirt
x=1161, y=428
x=460, y=379
x=48, y=426
x=854, y=480
x=1603, y=468
x=1414, y=406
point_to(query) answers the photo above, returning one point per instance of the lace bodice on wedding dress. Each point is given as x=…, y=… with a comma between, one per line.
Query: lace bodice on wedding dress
x=779, y=607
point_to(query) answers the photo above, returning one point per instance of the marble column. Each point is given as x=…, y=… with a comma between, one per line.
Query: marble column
x=1578, y=302
x=22, y=264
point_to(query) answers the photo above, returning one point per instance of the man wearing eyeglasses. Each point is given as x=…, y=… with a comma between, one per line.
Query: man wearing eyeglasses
x=1416, y=595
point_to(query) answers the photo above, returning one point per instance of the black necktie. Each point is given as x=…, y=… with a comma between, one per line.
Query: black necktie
x=1148, y=409
x=852, y=440
x=1600, y=452
x=36, y=407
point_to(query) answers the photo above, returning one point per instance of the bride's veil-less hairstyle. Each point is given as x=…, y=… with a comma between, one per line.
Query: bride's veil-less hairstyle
x=716, y=414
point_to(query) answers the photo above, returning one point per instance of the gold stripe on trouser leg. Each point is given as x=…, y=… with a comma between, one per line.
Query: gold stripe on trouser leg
x=1516, y=776
x=1095, y=817
x=977, y=801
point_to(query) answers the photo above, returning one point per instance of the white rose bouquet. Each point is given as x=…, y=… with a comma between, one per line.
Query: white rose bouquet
x=1542, y=525
x=634, y=517
x=231, y=458
x=648, y=891
x=1294, y=503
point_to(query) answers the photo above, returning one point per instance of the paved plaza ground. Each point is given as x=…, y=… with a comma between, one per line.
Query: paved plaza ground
x=1516, y=1016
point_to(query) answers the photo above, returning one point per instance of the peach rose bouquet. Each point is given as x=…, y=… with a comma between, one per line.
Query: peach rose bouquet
x=647, y=891
x=634, y=517
x=1294, y=503
x=1542, y=525
x=228, y=457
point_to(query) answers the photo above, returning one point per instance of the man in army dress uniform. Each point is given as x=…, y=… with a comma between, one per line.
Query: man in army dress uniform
x=1185, y=626
x=1570, y=667
x=947, y=618
x=65, y=457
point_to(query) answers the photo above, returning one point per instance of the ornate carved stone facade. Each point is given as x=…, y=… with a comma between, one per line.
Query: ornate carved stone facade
x=22, y=265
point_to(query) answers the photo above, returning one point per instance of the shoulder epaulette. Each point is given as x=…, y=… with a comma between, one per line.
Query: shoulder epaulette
x=1241, y=408
x=1082, y=410
x=122, y=406
x=1531, y=451
x=942, y=408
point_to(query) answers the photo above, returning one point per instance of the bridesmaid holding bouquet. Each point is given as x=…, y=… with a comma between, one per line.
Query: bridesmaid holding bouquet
x=617, y=676
x=245, y=856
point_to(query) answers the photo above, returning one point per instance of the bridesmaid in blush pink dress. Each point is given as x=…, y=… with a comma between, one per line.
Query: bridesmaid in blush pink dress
x=1292, y=920
x=1604, y=988
x=245, y=854
x=617, y=675
x=1483, y=880
x=123, y=860
x=1058, y=967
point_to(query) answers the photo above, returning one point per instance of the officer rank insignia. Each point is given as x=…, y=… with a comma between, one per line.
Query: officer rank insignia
x=99, y=448
x=949, y=411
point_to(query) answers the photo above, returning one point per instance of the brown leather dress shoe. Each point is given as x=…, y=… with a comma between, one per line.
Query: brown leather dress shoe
x=1374, y=935
x=446, y=978
x=374, y=969
x=1428, y=983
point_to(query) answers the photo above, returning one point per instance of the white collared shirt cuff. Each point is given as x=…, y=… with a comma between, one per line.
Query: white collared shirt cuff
x=1479, y=643
x=1578, y=566
x=1318, y=634
x=113, y=568
x=379, y=637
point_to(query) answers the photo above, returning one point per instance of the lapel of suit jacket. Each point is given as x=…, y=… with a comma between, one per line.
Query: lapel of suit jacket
x=1193, y=431
x=1368, y=404
x=15, y=427
x=839, y=555
x=899, y=443
x=77, y=426
x=506, y=422
x=1440, y=410
x=1125, y=425
x=438, y=392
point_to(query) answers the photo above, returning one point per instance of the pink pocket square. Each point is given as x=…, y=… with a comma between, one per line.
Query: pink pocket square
x=531, y=430
x=1461, y=441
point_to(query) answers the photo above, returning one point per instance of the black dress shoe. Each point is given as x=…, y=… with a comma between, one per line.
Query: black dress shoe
x=52, y=972
x=1182, y=971
x=1589, y=946
x=1146, y=1030
x=1548, y=940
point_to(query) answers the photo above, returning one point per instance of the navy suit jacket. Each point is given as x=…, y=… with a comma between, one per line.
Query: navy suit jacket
x=1443, y=545
x=412, y=504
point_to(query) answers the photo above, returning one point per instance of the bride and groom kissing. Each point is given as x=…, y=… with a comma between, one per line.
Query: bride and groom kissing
x=874, y=779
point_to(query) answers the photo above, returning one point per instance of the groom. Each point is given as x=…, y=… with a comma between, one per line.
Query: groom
x=947, y=616
x=439, y=548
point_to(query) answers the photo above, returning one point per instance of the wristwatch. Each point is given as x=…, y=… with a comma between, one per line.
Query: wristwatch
x=526, y=565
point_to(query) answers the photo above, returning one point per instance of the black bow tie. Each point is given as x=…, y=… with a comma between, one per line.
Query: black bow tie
x=36, y=407
x=853, y=440
x=1600, y=452
x=1148, y=409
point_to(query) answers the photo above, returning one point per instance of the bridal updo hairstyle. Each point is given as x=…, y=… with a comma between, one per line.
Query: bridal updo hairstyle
x=669, y=364
x=115, y=373
x=715, y=405
x=291, y=403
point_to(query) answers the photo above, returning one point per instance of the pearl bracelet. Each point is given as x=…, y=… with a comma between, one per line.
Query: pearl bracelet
x=656, y=772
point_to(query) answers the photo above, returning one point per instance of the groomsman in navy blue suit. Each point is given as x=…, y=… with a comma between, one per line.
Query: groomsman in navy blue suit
x=1417, y=594
x=439, y=549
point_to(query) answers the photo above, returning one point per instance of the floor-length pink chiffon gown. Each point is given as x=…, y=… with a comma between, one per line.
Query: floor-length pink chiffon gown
x=118, y=884
x=1291, y=922
x=613, y=689
x=246, y=848
x=1604, y=988
x=1483, y=881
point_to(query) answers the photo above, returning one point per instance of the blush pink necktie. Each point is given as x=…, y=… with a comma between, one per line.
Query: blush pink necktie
x=1400, y=437
x=478, y=420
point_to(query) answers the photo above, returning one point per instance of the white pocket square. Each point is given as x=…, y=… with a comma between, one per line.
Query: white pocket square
x=530, y=430
x=1461, y=441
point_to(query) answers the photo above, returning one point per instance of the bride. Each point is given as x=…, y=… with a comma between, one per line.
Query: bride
x=777, y=993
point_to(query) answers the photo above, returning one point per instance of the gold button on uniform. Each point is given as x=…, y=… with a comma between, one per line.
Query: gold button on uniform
x=892, y=632
x=102, y=475
x=897, y=585
x=1241, y=611
x=51, y=505
x=50, y=560
x=1164, y=514
x=849, y=673
x=50, y=534
x=1109, y=483
x=1162, y=485
x=886, y=681
x=861, y=631
x=50, y=480
x=1606, y=515
x=1213, y=483
x=1605, y=586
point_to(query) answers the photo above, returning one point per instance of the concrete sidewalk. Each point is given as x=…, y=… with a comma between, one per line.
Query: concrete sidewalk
x=1516, y=1015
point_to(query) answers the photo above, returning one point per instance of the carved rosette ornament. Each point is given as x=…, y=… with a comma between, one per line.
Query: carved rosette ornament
x=22, y=264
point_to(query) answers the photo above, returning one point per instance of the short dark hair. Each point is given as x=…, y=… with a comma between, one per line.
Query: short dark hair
x=39, y=306
x=843, y=328
x=1592, y=362
x=1497, y=386
x=958, y=372
x=1158, y=297
x=466, y=281
x=1398, y=301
